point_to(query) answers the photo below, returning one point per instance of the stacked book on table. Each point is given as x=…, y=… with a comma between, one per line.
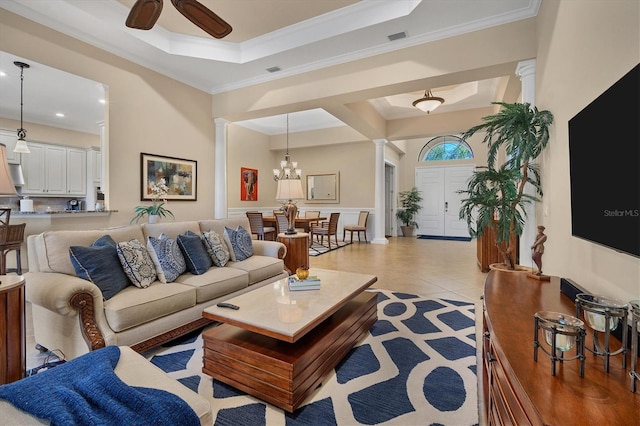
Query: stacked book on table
x=310, y=283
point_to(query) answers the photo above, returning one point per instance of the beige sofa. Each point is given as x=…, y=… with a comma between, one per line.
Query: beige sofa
x=71, y=315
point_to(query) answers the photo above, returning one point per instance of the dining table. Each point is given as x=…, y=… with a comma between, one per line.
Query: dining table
x=301, y=222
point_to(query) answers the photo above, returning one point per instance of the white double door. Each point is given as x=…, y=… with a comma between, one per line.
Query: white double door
x=439, y=215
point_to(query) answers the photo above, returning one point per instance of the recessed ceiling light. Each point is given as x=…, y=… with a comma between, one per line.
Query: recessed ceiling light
x=3, y=74
x=59, y=114
x=102, y=101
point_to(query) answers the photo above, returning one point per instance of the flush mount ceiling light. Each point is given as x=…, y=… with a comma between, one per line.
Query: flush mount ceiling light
x=428, y=102
x=21, y=145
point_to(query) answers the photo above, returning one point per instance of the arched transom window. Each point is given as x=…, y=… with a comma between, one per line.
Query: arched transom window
x=446, y=147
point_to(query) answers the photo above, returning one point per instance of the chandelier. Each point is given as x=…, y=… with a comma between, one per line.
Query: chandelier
x=428, y=102
x=21, y=145
x=288, y=169
x=289, y=189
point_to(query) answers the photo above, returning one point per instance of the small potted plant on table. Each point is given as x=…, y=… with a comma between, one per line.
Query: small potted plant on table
x=156, y=210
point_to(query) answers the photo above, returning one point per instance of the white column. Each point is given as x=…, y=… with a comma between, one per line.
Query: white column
x=220, y=172
x=526, y=70
x=378, y=216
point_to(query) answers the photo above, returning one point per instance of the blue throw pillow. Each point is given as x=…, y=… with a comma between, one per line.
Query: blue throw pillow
x=195, y=254
x=241, y=242
x=167, y=257
x=100, y=265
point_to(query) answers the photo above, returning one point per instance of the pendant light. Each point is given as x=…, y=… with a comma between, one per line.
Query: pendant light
x=21, y=145
x=428, y=102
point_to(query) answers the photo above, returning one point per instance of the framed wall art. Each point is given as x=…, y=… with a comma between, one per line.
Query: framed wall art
x=248, y=184
x=180, y=177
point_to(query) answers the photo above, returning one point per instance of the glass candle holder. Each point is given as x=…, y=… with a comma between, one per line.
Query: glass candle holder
x=603, y=314
x=634, y=306
x=562, y=333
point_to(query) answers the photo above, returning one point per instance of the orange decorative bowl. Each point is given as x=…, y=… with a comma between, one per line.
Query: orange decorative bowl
x=302, y=272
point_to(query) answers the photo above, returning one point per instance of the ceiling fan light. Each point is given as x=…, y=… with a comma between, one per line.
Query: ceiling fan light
x=428, y=102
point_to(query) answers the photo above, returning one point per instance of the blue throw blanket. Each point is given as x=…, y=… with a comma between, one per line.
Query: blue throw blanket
x=86, y=391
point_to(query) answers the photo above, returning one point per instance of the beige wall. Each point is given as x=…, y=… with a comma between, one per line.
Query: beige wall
x=54, y=135
x=148, y=112
x=253, y=150
x=583, y=48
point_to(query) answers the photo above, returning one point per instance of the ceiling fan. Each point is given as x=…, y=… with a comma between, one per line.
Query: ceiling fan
x=145, y=13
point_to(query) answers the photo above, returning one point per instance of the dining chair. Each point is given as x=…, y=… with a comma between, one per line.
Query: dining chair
x=282, y=223
x=327, y=228
x=258, y=228
x=360, y=227
x=11, y=238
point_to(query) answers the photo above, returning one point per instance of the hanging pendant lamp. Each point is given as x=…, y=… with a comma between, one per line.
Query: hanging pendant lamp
x=21, y=145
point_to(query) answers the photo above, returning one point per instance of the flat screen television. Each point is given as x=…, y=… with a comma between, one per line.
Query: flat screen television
x=604, y=154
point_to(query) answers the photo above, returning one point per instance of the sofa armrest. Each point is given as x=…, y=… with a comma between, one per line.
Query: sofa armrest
x=269, y=248
x=68, y=295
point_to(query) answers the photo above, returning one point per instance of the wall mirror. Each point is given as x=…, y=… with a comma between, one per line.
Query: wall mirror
x=323, y=188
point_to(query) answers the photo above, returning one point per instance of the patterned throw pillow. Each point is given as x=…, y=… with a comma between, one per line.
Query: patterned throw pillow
x=100, y=265
x=137, y=263
x=216, y=247
x=240, y=240
x=167, y=257
x=195, y=254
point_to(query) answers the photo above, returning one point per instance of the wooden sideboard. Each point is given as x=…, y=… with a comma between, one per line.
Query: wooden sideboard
x=519, y=390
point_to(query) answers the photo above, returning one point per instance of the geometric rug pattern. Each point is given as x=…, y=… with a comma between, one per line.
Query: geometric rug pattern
x=416, y=367
x=316, y=249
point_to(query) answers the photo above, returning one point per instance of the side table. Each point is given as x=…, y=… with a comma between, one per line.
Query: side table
x=297, y=250
x=12, y=329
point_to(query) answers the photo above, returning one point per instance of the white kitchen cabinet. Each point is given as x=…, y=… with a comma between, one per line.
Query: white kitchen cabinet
x=54, y=170
x=9, y=139
x=94, y=166
x=76, y=171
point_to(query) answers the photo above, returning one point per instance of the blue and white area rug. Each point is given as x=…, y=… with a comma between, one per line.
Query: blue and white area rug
x=316, y=249
x=417, y=367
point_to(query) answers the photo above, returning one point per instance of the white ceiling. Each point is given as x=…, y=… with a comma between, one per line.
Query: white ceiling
x=295, y=35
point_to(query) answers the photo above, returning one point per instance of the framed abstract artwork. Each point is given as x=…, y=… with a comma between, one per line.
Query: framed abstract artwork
x=248, y=184
x=177, y=174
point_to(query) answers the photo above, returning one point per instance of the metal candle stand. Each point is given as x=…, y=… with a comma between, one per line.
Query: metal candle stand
x=634, y=305
x=562, y=333
x=613, y=311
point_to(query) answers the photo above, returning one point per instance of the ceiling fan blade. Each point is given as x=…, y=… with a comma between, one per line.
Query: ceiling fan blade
x=203, y=17
x=144, y=14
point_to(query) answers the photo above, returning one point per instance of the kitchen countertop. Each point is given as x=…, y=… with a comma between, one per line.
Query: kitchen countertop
x=46, y=213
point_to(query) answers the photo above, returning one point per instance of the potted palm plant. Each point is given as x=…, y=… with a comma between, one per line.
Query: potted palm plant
x=496, y=196
x=410, y=202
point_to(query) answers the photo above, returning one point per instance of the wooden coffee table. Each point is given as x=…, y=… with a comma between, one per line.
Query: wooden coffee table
x=281, y=344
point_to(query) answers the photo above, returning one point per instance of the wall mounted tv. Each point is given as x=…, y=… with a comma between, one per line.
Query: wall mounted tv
x=604, y=154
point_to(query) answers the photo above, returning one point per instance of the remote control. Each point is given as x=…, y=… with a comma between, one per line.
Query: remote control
x=228, y=305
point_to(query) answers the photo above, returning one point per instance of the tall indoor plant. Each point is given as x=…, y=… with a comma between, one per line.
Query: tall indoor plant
x=410, y=202
x=496, y=196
